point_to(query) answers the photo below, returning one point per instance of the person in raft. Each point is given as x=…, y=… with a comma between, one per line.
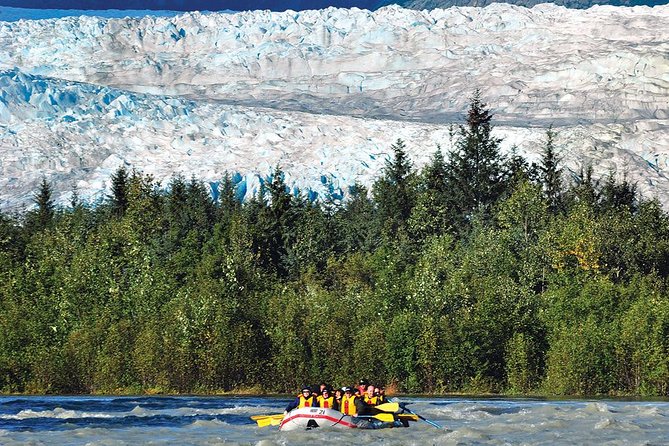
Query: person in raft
x=325, y=401
x=339, y=394
x=304, y=399
x=351, y=404
x=362, y=386
x=380, y=393
x=370, y=398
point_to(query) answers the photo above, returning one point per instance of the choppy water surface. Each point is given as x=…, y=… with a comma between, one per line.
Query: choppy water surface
x=225, y=420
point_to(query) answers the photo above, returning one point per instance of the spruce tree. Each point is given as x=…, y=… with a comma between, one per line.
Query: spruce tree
x=431, y=215
x=618, y=195
x=119, y=191
x=228, y=203
x=585, y=189
x=356, y=222
x=393, y=192
x=201, y=207
x=275, y=224
x=45, y=205
x=476, y=168
x=551, y=173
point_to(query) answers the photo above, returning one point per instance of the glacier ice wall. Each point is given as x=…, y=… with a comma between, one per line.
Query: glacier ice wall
x=324, y=93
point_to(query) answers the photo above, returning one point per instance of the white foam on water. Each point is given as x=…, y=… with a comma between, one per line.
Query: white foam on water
x=652, y=411
x=613, y=423
x=598, y=407
x=207, y=423
x=458, y=411
x=559, y=423
x=58, y=412
x=137, y=411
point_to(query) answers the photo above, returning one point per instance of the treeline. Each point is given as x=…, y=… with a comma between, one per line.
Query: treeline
x=478, y=273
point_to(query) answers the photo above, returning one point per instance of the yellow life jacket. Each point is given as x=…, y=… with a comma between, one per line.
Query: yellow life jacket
x=373, y=401
x=348, y=405
x=325, y=403
x=305, y=402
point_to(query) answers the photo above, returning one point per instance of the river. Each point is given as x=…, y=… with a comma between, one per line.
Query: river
x=195, y=420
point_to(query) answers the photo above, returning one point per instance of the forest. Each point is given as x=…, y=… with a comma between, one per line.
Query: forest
x=478, y=273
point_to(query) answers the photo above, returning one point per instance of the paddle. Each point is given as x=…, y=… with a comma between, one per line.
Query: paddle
x=407, y=416
x=269, y=421
x=258, y=417
x=388, y=407
x=432, y=423
x=385, y=417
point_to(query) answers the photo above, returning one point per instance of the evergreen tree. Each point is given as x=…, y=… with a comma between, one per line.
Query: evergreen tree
x=519, y=170
x=229, y=205
x=356, y=222
x=431, y=215
x=274, y=224
x=476, y=170
x=584, y=190
x=280, y=199
x=393, y=192
x=119, y=191
x=75, y=199
x=201, y=207
x=551, y=173
x=45, y=205
x=615, y=195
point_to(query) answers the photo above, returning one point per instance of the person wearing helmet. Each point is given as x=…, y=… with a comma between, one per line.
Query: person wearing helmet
x=304, y=399
x=351, y=404
x=362, y=386
x=325, y=401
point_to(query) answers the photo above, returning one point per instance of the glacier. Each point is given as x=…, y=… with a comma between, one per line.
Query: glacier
x=324, y=93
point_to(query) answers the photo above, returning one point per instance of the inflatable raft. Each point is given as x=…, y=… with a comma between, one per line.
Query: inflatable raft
x=313, y=417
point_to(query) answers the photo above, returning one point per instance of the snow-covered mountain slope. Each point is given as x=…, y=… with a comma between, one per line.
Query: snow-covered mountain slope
x=204, y=93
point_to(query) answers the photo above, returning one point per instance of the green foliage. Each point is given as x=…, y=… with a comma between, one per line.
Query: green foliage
x=643, y=348
x=475, y=275
x=581, y=359
x=523, y=363
x=356, y=223
x=432, y=213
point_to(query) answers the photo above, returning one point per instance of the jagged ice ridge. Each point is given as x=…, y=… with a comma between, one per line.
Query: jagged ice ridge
x=324, y=93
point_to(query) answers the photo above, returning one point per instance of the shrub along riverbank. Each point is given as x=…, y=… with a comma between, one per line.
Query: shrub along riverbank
x=478, y=273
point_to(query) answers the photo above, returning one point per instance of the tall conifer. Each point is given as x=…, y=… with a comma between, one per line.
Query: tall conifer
x=45, y=205
x=393, y=192
x=119, y=191
x=476, y=168
x=551, y=173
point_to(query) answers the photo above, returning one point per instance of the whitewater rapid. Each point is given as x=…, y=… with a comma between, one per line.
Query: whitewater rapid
x=217, y=420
